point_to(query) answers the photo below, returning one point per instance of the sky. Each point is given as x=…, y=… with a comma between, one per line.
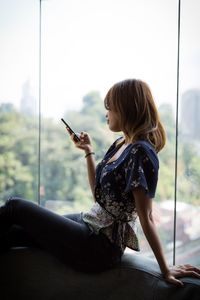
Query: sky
x=89, y=45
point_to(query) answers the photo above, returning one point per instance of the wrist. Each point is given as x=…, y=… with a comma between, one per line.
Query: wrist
x=165, y=271
x=89, y=154
x=88, y=149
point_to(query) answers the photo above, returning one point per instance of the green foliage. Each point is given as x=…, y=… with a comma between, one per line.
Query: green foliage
x=165, y=189
x=63, y=174
x=18, y=154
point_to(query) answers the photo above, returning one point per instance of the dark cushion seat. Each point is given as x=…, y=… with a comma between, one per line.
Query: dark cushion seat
x=29, y=273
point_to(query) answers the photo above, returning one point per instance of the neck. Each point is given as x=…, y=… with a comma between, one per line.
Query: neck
x=127, y=140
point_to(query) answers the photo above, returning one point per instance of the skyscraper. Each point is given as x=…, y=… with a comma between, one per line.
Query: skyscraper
x=28, y=102
x=190, y=115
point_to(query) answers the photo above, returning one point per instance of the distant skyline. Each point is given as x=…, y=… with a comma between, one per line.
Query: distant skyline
x=191, y=111
x=89, y=45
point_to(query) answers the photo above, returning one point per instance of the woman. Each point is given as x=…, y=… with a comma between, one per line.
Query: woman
x=123, y=185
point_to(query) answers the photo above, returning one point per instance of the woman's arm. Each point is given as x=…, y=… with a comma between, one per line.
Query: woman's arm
x=86, y=145
x=144, y=210
x=90, y=168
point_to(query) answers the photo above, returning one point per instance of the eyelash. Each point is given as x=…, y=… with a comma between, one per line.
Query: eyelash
x=107, y=107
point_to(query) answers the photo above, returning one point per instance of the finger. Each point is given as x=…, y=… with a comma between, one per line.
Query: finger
x=188, y=267
x=175, y=281
x=178, y=282
x=195, y=269
x=192, y=274
x=83, y=134
x=186, y=273
x=68, y=130
x=74, y=139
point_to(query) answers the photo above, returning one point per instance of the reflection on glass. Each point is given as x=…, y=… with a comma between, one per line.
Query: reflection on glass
x=188, y=206
x=18, y=99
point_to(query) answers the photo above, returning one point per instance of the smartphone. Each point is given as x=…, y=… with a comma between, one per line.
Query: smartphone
x=76, y=138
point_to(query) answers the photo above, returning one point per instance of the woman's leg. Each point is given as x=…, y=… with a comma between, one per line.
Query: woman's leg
x=68, y=237
x=16, y=236
x=63, y=236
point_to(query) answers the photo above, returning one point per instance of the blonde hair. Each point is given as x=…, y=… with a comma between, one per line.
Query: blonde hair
x=132, y=100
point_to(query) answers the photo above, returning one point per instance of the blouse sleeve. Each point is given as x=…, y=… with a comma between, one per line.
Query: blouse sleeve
x=142, y=170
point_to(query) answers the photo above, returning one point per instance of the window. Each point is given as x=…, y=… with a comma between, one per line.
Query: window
x=188, y=175
x=58, y=59
x=19, y=99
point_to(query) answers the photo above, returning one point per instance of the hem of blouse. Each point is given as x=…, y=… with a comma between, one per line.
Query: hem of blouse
x=89, y=225
x=134, y=249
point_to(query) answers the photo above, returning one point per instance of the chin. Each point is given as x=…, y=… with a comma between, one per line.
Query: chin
x=114, y=129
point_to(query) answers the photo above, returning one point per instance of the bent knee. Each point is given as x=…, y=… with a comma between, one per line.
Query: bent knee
x=14, y=201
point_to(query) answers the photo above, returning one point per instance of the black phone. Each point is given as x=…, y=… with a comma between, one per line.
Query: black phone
x=76, y=138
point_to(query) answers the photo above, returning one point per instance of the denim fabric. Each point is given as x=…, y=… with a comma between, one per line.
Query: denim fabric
x=24, y=223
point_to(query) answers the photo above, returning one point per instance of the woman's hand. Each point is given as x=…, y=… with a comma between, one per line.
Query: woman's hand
x=84, y=143
x=171, y=274
x=180, y=272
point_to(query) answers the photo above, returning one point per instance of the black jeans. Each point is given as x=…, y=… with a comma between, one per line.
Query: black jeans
x=24, y=223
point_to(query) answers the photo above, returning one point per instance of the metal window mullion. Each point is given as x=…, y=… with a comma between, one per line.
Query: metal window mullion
x=176, y=133
x=39, y=100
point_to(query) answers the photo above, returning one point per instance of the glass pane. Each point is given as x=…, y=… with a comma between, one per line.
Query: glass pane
x=19, y=99
x=87, y=46
x=188, y=207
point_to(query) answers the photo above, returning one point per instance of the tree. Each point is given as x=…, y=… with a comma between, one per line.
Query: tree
x=63, y=174
x=18, y=155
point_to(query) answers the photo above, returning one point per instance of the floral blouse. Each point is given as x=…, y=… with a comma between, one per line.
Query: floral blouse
x=114, y=212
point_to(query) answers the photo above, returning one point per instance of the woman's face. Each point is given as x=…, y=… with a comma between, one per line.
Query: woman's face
x=113, y=120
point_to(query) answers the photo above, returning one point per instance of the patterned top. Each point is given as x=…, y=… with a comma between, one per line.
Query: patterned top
x=114, y=212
